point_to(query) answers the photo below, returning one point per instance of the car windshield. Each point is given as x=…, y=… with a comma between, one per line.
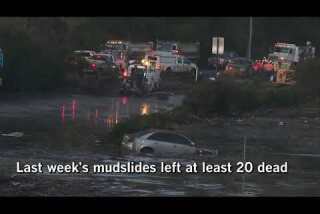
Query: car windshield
x=83, y=54
x=141, y=133
x=105, y=58
x=170, y=138
x=282, y=50
x=187, y=61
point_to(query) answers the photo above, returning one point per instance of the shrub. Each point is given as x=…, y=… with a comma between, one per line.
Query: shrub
x=28, y=65
x=222, y=97
x=284, y=96
x=308, y=78
x=230, y=96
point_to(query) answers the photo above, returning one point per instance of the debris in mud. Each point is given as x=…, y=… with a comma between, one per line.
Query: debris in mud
x=13, y=134
x=13, y=183
x=207, y=152
x=98, y=141
x=239, y=120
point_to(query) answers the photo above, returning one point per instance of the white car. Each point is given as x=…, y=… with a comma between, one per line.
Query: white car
x=162, y=143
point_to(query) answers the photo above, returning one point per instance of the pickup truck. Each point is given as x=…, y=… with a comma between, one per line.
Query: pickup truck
x=174, y=63
x=99, y=71
x=93, y=72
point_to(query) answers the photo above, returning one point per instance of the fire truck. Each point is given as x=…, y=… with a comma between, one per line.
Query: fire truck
x=285, y=57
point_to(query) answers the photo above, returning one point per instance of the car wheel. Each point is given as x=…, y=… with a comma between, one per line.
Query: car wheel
x=147, y=150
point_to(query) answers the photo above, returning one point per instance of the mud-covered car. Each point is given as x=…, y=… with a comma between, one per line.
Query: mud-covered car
x=162, y=143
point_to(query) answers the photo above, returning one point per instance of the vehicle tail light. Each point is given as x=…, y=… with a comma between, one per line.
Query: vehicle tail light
x=125, y=74
x=93, y=66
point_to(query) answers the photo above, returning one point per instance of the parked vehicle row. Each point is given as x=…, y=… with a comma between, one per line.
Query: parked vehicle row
x=114, y=56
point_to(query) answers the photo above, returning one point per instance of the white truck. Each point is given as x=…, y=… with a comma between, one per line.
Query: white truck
x=291, y=52
x=171, y=62
x=191, y=50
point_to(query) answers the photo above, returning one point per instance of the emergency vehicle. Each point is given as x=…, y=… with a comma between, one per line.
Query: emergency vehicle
x=119, y=49
x=138, y=51
x=291, y=52
x=191, y=50
x=174, y=62
x=141, y=77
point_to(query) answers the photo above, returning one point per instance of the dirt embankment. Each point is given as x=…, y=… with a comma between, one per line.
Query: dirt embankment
x=275, y=131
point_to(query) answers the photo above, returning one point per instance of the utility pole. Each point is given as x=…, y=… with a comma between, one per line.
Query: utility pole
x=250, y=38
x=217, y=56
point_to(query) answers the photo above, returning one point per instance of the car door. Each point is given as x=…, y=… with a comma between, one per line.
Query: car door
x=182, y=145
x=173, y=144
x=159, y=143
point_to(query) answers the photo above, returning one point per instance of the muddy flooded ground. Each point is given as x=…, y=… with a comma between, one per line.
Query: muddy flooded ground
x=67, y=127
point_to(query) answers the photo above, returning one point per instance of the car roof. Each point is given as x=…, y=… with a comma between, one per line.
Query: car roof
x=147, y=133
x=84, y=51
x=141, y=133
x=102, y=54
